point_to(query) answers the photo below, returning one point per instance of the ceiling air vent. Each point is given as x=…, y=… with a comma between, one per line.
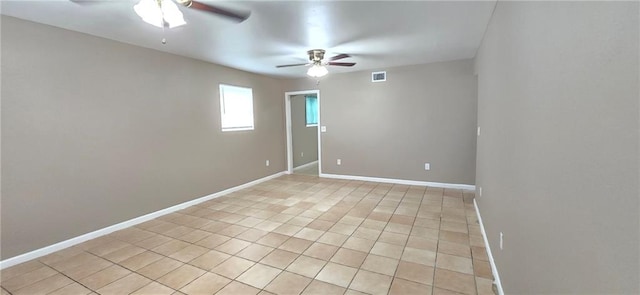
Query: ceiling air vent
x=378, y=76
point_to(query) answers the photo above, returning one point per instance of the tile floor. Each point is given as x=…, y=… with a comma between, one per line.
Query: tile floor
x=296, y=234
x=308, y=170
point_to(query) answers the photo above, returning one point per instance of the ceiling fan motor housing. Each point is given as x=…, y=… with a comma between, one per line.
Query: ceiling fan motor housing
x=316, y=55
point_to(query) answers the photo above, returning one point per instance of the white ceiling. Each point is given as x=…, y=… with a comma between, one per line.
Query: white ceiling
x=377, y=34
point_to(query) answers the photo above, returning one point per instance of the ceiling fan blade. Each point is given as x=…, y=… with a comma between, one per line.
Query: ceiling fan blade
x=237, y=16
x=340, y=56
x=292, y=65
x=342, y=64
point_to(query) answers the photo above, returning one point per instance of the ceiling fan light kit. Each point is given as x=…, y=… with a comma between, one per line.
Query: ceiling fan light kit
x=317, y=71
x=159, y=12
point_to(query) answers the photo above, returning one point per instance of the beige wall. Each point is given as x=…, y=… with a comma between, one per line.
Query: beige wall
x=95, y=132
x=422, y=113
x=558, y=153
x=304, y=139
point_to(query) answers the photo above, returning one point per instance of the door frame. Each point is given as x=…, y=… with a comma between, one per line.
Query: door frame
x=287, y=104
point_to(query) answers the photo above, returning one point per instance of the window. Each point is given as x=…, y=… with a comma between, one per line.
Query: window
x=236, y=108
x=311, y=107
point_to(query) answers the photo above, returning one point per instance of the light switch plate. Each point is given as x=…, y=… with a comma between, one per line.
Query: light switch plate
x=323, y=128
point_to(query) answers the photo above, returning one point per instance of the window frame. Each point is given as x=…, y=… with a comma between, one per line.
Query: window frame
x=223, y=99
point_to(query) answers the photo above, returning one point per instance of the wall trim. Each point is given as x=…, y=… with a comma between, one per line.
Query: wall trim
x=125, y=224
x=401, y=181
x=306, y=165
x=494, y=269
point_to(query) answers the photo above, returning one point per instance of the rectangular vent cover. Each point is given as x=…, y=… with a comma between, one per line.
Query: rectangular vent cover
x=378, y=76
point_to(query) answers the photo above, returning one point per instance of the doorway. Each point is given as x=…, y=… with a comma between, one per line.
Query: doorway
x=303, y=132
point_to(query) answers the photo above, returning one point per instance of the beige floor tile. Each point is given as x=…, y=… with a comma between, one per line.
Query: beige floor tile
x=367, y=233
x=345, y=229
x=380, y=264
x=153, y=288
x=321, y=251
x=358, y=244
x=454, y=227
x=321, y=288
x=455, y=263
x=482, y=269
x=420, y=256
x=371, y=283
x=454, y=249
x=189, y=253
x=250, y=222
x=170, y=247
x=87, y=269
x=423, y=243
x=279, y=258
x=295, y=245
x=232, y=230
x=152, y=242
x=454, y=237
x=159, y=268
x=354, y=292
x=28, y=278
x=71, y=289
x=423, y=232
x=20, y=269
x=440, y=291
x=479, y=253
x=259, y=275
x=141, y=260
x=195, y=236
x=209, y=260
x=181, y=276
x=232, y=246
x=374, y=224
x=429, y=223
x=393, y=238
x=237, y=288
x=108, y=247
x=398, y=228
x=320, y=225
x=255, y=252
x=337, y=274
x=306, y=266
x=233, y=267
x=387, y=250
x=309, y=234
x=208, y=283
x=403, y=287
x=273, y=240
x=45, y=286
x=349, y=257
x=213, y=241
x=125, y=285
x=287, y=229
x=104, y=277
x=252, y=235
x=484, y=286
x=288, y=283
x=333, y=239
x=268, y=225
x=454, y=281
x=415, y=272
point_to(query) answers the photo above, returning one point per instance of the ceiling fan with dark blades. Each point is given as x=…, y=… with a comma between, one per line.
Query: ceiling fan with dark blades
x=317, y=64
x=165, y=13
x=234, y=15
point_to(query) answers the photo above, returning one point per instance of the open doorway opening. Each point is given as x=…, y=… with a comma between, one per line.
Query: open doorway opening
x=303, y=132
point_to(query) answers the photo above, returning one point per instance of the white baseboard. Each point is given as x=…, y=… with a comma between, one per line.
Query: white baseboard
x=401, y=181
x=494, y=269
x=306, y=165
x=125, y=224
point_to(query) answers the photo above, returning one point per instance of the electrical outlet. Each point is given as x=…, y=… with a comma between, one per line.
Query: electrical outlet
x=478, y=130
x=302, y=154
x=339, y=162
x=323, y=128
x=267, y=163
x=480, y=191
x=501, y=241
x=427, y=166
